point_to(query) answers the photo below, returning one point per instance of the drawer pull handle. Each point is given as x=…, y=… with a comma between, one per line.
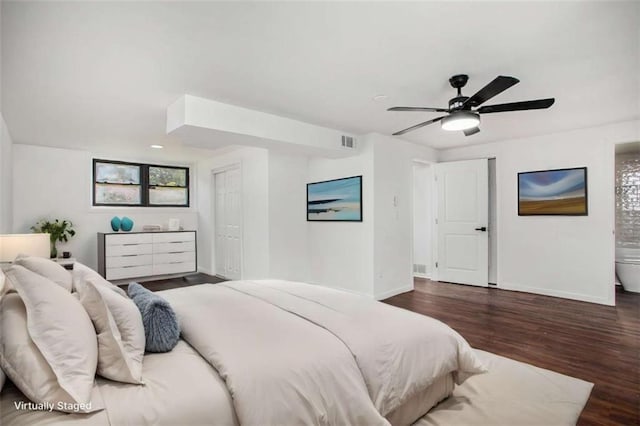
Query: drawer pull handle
x=131, y=244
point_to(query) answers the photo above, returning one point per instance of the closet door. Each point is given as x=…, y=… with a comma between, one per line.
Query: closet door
x=228, y=223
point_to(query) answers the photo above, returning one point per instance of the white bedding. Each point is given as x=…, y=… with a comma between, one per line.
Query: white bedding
x=181, y=389
x=275, y=352
x=318, y=347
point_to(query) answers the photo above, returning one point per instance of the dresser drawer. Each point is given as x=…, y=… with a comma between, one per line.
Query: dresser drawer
x=125, y=239
x=185, y=256
x=129, y=272
x=177, y=247
x=130, y=260
x=173, y=237
x=124, y=256
x=127, y=250
x=173, y=268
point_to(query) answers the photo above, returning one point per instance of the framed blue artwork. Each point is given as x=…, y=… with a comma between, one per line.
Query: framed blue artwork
x=338, y=200
x=553, y=192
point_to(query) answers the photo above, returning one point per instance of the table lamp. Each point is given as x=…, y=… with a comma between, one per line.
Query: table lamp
x=12, y=245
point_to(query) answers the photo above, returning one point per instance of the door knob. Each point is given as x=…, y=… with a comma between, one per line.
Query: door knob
x=483, y=229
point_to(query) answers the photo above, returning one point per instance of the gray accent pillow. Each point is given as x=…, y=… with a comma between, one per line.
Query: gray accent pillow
x=161, y=328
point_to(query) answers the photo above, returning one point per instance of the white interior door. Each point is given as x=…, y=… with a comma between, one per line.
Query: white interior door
x=463, y=210
x=228, y=224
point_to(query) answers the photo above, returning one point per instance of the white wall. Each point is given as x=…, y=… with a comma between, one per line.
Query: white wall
x=373, y=257
x=255, y=210
x=341, y=253
x=422, y=217
x=288, y=229
x=6, y=178
x=564, y=256
x=393, y=213
x=57, y=183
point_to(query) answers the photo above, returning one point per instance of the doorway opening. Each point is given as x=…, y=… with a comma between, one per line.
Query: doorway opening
x=423, y=219
x=493, y=224
x=627, y=214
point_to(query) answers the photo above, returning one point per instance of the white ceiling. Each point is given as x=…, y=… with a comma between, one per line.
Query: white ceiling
x=100, y=75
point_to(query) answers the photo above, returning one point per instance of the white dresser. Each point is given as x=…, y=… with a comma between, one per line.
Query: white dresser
x=146, y=254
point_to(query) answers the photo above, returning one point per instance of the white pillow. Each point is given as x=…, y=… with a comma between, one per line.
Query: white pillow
x=121, y=339
x=2, y=379
x=51, y=352
x=4, y=284
x=82, y=273
x=47, y=268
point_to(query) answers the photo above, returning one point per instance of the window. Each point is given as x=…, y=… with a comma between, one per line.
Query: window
x=117, y=183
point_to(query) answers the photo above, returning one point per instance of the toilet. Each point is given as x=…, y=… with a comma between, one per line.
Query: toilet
x=628, y=268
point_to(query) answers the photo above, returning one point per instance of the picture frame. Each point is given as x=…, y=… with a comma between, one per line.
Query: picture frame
x=555, y=192
x=336, y=200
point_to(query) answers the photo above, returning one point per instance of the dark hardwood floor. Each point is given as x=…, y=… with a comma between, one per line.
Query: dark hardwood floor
x=170, y=283
x=599, y=344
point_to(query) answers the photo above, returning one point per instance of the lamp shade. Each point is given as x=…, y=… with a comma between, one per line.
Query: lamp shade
x=30, y=244
x=460, y=120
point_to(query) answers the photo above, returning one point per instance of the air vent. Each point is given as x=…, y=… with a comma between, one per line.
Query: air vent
x=419, y=268
x=348, y=142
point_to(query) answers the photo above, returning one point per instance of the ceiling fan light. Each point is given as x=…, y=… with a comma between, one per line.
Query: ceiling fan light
x=460, y=120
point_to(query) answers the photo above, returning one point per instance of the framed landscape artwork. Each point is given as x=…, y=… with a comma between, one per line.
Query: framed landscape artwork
x=553, y=192
x=338, y=200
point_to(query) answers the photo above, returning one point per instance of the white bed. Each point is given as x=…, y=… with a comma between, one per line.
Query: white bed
x=276, y=352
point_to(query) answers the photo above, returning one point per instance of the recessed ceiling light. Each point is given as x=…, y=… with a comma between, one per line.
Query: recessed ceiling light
x=380, y=97
x=157, y=146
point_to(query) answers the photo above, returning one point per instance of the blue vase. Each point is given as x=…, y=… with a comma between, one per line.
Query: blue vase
x=115, y=223
x=126, y=224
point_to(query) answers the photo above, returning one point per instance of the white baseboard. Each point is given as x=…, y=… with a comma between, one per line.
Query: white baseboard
x=556, y=293
x=347, y=290
x=205, y=271
x=425, y=276
x=393, y=292
x=379, y=296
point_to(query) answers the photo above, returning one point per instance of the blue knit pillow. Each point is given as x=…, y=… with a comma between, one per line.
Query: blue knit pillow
x=161, y=328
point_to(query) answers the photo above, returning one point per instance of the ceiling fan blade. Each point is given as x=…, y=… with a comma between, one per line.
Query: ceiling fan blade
x=417, y=126
x=497, y=86
x=517, y=106
x=471, y=131
x=418, y=109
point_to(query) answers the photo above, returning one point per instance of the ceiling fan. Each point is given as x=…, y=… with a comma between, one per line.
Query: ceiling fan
x=461, y=116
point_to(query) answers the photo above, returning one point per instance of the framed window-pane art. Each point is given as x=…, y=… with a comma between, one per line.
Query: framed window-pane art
x=168, y=186
x=117, y=183
x=112, y=194
x=168, y=196
x=117, y=173
x=167, y=176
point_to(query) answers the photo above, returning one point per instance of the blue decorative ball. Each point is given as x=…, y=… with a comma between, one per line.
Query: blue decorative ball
x=126, y=224
x=115, y=223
